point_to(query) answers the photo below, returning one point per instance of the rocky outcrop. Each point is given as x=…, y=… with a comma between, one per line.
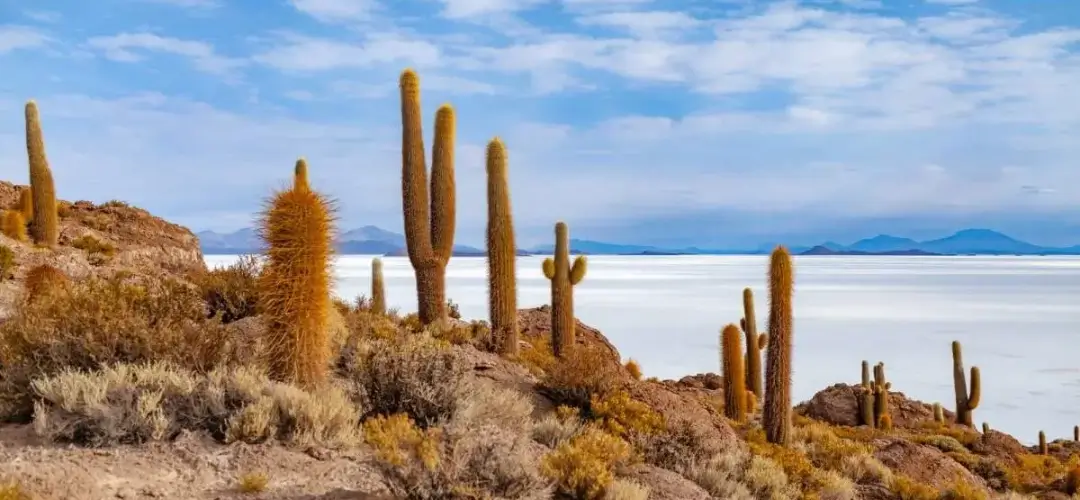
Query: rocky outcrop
x=924, y=464
x=839, y=405
x=536, y=322
x=664, y=484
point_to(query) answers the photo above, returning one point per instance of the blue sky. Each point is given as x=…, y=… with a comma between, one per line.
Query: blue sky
x=721, y=122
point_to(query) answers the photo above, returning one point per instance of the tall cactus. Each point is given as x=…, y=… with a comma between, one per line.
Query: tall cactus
x=563, y=277
x=754, y=344
x=501, y=251
x=881, y=398
x=378, y=287
x=294, y=286
x=966, y=400
x=776, y=414
x=429, y=228
x=735, y=393
x=45, y=225
x=300, y=175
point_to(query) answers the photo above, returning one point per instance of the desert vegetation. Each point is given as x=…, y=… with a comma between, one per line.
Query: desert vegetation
x=528, y=405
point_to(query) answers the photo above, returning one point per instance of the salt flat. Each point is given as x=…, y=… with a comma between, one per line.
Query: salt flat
x=1018, y=318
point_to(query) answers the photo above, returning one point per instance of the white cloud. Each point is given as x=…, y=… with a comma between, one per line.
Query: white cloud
x=303, y=53
x=459, y=9
x=196, y=4
x=643, y=23
x=336, y=10
x=953, y=2
x=14, y=37
x=43, y=16
x=123, y=48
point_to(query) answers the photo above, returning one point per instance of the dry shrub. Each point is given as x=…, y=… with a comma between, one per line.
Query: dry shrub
x=556, y=429
x=681, y=447
x=837, y=487
x=474, y=333
x=253, y=482
x=137, y=403
x=721, y=475
x=480, y=452
x=826, y=450
x=583, y=468
x=623, y=489
x=795, y=464
x=865, y=469
x=622, y=416
x=584, y=372
x=7, y=263
x=634, y=368
x=905, y=488
x=963, y=490
x=537, y=355
x=99, y=251
x=102, y=321
x=230, y=292
x=1072, y=480
x=943, y=443
x=418, y=376
x=1031, y=472
x=767, y=479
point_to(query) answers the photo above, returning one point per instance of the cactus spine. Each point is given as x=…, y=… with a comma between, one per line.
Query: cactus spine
x=294, y=286
x=966, y=400
x=776, y=417
x=563, y=277
x=45, y=229
x=1042, y=444
x=13, y=225
x=429, y=229
x=300, y=175
x=501, y=251
x=378, y=287
x=753, y=344
x=735, y=393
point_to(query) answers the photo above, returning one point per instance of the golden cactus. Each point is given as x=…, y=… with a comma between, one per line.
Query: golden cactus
x=753, y=344
x=26, y=204
x=734, y=374
x=294, y=285
x=563, y=277
x=429, y=229
x=45, y=228
x=13, y=225
x=378, y=287
x=501, y=252
x=776, y=416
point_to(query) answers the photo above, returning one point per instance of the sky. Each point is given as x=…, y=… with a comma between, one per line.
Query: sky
x=671, y=122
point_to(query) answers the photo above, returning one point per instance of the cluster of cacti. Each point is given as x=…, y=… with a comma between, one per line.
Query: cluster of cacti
x=429, y=223
x=45, y=224
x=563, y=276
x=294, y=285
x=735, y=393
x=754, y=344
x=501, y=252
x=966, y=400
x=874, y=398
x=776, y=413
x=378, y=287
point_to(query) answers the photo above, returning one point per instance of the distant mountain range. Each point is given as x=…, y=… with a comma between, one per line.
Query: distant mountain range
x=371, y=240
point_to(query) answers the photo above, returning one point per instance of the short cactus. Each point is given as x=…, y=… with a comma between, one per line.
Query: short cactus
x=966, y=400
x=753, y=344
x=885, y=422
x=501, y=252
x=378, y=287
x=13, y=225
x=1076, y=433
x=734, y=374
x=1043, y=449
x=294, y=285
x=776, y=413
x=26, y=204
x=45, y=226
x=429, y=224
x=986, y=428
x=564, y=276
x=939, y=413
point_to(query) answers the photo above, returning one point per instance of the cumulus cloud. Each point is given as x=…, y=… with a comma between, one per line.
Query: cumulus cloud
x=614, y=112
x=14, y=37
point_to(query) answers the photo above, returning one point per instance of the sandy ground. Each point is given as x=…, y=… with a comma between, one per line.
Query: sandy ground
x=192, y=467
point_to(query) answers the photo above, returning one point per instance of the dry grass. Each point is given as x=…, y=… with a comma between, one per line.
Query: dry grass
x=253, y=482
x=583, y=373
x=554, y=430
x=622, y=416
x=418, y=376
x=537, y=356
x=230, y=292
x=44, y=280
x=905, y=488
x=98, y=251
x=583, y=468
x=679, y=448
x=104, y=321
x=13, y=490
x=721, y=475
x=1032, y=472
x=138, y=403
x=623, y=489
x=7, y=263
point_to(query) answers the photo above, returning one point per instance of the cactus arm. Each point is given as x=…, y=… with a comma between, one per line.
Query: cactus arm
x=976, y=389
x=577, y=271
x=443, y=203
x=549, y=268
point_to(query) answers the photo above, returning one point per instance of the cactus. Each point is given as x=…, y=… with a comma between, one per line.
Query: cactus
x=501, y=252
x=1043, y=450
x=300, y=175
x=885, y=422
x=44, y=280
x=1076, y=433
x=429, y=229
x=776, y=417
x=966, y=400
x=734, y=374
x=881, y=396
x=986, y=427
x=26, y=204
x=13, y=225
x=294, y=285
x=866, y=407
x=45, y=228
x=865, y=374
x=563, y=277
x=751, y=402
x=753, y=344
x=378, y=287
x=939, y=413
